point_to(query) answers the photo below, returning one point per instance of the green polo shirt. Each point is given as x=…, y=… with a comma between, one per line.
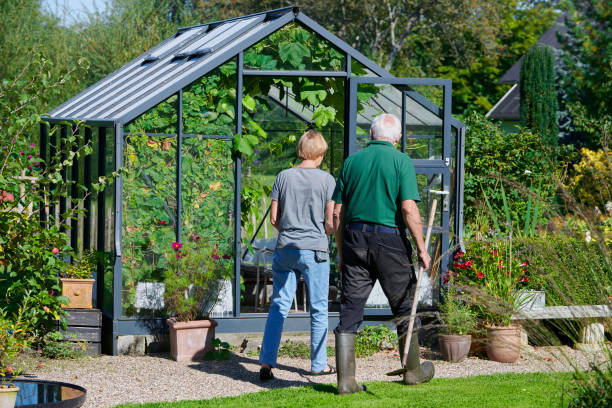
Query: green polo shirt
x=373, y=183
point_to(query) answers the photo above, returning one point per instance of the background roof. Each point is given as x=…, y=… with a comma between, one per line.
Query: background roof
x=548, y=38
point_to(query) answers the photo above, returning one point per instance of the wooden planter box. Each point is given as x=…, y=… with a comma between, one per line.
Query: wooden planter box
x=84, y=325
x=78, y=292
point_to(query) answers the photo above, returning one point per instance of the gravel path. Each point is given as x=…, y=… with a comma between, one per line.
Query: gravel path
x=114, y=380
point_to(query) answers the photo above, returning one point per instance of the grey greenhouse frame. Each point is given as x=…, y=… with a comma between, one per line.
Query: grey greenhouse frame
x=163, y=72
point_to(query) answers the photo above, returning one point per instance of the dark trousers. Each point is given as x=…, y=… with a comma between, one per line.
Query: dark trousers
x=371, y=256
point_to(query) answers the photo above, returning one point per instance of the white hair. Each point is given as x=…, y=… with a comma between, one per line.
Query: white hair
x=386, y=127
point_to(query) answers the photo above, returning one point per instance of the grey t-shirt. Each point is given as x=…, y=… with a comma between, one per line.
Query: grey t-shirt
x=302, y=195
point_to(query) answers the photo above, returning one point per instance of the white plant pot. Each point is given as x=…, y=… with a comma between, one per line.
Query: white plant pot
x=8, y=396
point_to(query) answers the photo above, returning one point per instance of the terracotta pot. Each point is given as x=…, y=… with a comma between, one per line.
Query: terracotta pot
x=191, y=340
x=78, y=292
x=8, y=396
x=454, y=347
x=504, y=343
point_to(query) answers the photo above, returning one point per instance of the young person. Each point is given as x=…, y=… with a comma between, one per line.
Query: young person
x=301, y=211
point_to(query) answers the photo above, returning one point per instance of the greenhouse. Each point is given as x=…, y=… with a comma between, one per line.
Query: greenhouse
x=199, y=127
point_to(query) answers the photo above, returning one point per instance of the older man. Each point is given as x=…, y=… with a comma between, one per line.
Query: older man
x=375, y=198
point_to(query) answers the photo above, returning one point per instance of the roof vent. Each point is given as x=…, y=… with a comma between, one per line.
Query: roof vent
x=149, y=59
x=200, y=52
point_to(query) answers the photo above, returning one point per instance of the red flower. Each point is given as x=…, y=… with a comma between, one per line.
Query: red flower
x=526, y=279
x=177, y=245
x=508, y=273
x=459, y=254
x=55, y=251
x=480, y=275
x=162, y=222
x=467, y=264
x=227, y=256
x=40, y=365
x=524, y=263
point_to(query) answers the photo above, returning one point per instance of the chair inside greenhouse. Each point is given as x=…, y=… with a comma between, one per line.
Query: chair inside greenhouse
x=199, y=126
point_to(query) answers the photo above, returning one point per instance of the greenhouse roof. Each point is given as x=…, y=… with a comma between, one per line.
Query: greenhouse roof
x=188, y=55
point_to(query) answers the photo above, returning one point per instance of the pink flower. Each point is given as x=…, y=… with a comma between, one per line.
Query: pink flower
x=227, y=256
x=467, y=264
x=177, y=245
x=33, y=145
x=480, y=275
x=29, y=167
x=524, y=263
x=21, y=153
x=6, y=196
x=55, y=251
x=214, y=256
x=29, y=156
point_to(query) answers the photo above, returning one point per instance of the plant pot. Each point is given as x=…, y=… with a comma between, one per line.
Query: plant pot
x=454, y=347
x=191, y=340
x=504, y=343
x=78, y=292
x=8, y=396
x=529, y=299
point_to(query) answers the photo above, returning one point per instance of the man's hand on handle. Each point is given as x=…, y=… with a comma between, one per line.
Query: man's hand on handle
x=424, y=260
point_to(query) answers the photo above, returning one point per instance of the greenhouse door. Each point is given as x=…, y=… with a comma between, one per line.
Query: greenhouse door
x=426, y=138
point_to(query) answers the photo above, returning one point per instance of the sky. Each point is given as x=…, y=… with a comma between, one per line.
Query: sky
x=70, y=10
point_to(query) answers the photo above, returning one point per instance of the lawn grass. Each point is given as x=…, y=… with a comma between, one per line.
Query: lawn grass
x=490, y=391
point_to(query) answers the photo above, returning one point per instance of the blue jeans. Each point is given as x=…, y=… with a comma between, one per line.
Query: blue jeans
x=288, y=264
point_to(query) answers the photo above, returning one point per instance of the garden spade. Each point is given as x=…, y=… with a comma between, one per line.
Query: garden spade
x=432, y=214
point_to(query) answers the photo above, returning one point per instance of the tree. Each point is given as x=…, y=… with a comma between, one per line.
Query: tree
x=588, y=54
x=538, y=94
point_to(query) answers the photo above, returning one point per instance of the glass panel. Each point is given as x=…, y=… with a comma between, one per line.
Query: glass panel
x=208, y=205
x=109, y=221
x=149, y=217
x=430, y=182
x=280, y=113
x=209, y=104
x=374, y=100
x=294, y=47
x=160, y=119
x=424, y=132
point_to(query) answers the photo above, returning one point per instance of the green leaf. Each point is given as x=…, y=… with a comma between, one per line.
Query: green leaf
x=293, y=53
x=323, y=115
x=249, y=102
x=314, y=93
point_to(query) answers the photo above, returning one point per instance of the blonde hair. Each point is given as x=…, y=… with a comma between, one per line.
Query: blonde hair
x=311, y=145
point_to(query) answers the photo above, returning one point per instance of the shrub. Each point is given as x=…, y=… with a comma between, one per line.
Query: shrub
x=54, y=346
x=591, y=182
x=592, y=389
x=372, y=339
x=492, y=156
x=12, y=341
x=456, y=315
x=571, y=270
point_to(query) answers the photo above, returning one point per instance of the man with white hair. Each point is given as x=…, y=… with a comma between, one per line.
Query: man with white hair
x=375, y=200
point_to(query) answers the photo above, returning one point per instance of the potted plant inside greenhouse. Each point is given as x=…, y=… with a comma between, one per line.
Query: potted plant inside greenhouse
x=458, y=320
x=77, y=282
x=492, y=276
x=194, y=279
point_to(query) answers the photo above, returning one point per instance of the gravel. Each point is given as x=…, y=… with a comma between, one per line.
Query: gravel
x=112, y=380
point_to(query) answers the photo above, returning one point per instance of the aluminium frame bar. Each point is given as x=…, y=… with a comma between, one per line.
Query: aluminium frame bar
x=87, y=201
x=63, y=173
x=179, y=164
x=118, y=204
x=238, y=187
x=74, y=191
x=294, y=73
x=96, y=122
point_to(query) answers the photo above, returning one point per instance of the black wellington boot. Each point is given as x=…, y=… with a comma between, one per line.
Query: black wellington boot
x=345, y=364
x=417, y=373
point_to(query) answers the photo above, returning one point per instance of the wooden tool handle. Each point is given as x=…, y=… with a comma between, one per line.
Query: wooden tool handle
x=432, y=214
